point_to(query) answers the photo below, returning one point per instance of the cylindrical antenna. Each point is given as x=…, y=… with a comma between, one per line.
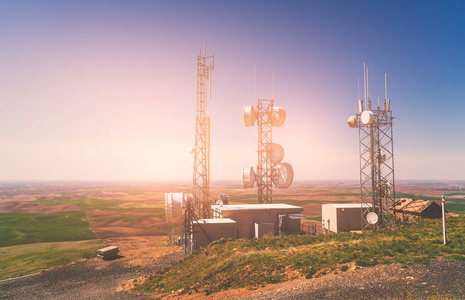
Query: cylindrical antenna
x=365, y=85
x=205, y=49
x=255, y=99
x=210, y=84
x=358, y=85
x=368, y=91
x=273, y=84
x=385, y=86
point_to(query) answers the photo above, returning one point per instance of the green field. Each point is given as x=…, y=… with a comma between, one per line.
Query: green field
x=17, y=229
x=32, y=258
x=86, y=203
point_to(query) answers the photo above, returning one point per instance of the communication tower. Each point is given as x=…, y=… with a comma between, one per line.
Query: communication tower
x=270, y=171
x=377, y=184
x=198, y=205
x=201, y=193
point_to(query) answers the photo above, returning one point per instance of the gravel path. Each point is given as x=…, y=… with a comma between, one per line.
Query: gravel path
x=90, y=279
x=440, y=277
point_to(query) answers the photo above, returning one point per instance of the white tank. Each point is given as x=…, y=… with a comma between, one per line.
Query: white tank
x=248, y=112
x=278, y=117
x=367, y=117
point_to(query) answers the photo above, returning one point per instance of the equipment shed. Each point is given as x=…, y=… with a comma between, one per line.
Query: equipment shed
x=418, y=208
x=339, y=217
x=258, y=220
x=205, y=231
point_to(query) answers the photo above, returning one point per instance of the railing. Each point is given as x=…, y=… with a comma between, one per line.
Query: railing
x=311, y=228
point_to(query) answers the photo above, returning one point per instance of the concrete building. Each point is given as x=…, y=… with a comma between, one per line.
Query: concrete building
x=258, y=220
x=205, y=231
x=338, y=217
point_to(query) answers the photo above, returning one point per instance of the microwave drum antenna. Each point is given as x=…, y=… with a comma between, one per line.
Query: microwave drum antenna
x=276, y=152
x=248, y=177
x=249, y=115
x=284, y=175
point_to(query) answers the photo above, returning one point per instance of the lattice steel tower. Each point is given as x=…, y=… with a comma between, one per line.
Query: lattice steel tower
x=270, y=171
x=201, y=194
x=265, y=134
x=377, y=183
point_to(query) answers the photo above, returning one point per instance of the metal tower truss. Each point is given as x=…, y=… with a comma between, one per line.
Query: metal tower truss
x=198, y=205
x=377, y=183
x=271, y=171
x=265, y=172
x=202, y=199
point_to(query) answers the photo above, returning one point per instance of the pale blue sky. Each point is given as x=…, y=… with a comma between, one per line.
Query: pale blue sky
x=102, y=90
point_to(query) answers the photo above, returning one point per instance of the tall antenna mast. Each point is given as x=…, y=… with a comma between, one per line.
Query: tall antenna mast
x=201, y=180
x=377, y=182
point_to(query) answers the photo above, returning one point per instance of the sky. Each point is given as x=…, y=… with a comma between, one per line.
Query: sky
x=106, y=90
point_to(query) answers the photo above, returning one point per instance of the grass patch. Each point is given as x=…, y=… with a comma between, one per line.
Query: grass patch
x=125, y=218
x=87, y=203
x=17, y=229
x=31, y=263
x=247, y=263
x=458, y=208
x=41, y=247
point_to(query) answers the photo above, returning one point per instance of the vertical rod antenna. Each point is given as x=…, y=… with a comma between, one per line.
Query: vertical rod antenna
x=385, y=86
x=273, y=84
x=368, y=92
x=365, y=85
x=255, y=99
x=358, y=86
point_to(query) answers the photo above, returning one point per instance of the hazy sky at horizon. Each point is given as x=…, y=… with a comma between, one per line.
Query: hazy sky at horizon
x=106, y=90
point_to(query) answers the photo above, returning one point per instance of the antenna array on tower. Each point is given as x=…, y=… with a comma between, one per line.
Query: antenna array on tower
x=377, y=184
x=270, y=171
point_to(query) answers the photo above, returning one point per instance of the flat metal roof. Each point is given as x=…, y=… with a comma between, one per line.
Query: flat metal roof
x=215, y=221
x=347, y=205
x=277, y=206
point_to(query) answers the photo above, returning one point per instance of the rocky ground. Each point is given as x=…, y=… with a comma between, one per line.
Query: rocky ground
x=91, y=279
x=97, y=279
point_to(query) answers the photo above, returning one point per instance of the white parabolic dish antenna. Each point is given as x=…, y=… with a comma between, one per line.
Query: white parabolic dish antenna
x=367, y=117
x=284, y=175
x=276, y=152
x=249, y=115
x=278, y=117
x=372, y=218
x=352, y=121
x=248, y=177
